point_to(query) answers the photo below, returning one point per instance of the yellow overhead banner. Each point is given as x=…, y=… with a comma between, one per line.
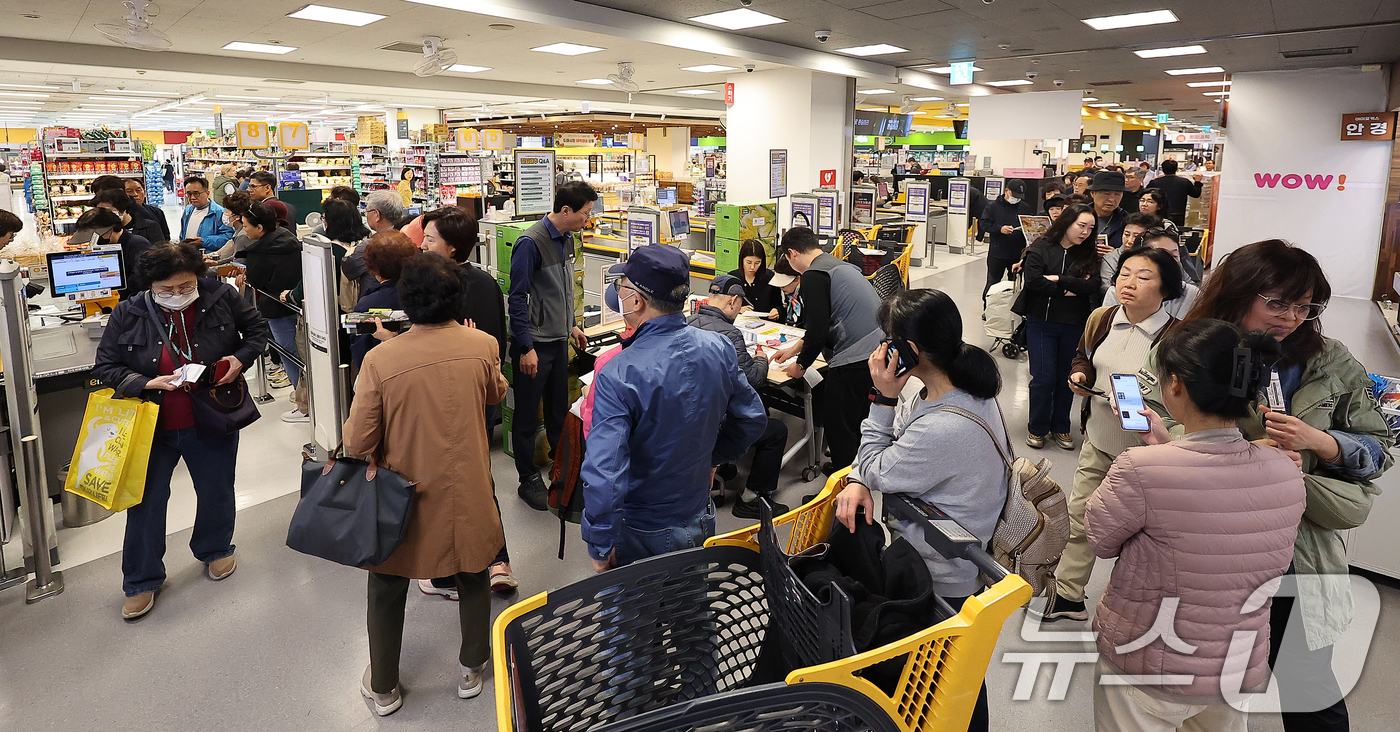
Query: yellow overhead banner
x=294, y=136
x=253, y=136
x=493, y=140
x=636, y=141
x=468, y=139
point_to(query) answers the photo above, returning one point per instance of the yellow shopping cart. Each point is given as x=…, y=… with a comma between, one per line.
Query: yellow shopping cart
x=685, y=641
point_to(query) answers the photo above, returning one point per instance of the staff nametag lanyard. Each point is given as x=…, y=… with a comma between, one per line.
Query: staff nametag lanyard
x=1275, y=393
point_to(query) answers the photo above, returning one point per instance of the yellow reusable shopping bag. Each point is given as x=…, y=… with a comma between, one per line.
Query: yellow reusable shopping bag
x=114, y=447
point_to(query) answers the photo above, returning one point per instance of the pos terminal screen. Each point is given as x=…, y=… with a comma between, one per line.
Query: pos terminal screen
x=71, y=272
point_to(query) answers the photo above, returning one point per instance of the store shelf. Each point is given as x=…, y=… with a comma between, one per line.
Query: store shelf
x=72, y=197
x=88, y=176
x=324, y=167
x=62, y=156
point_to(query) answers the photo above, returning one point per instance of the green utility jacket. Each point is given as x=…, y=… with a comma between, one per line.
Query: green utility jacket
x=1334, y=394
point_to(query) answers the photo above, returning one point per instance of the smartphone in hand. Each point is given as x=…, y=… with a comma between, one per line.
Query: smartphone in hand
x=1128, y=397
x=908, y=359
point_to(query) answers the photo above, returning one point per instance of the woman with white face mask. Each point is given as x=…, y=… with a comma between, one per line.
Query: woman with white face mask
x=183, y=319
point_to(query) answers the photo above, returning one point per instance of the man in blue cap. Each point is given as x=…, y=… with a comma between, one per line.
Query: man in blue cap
x=666, y=411
x=726, y=301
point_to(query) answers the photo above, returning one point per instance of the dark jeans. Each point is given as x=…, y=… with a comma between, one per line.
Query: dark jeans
x=847, y=402
x=636, y=544
x=387, y=595
x=211, y=463
x=768, y=458
x=1052, y=347
x=1305, y=679
x=997, y=269
x=550, y=383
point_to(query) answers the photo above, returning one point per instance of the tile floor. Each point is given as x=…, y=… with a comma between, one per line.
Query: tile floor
x=280, y=645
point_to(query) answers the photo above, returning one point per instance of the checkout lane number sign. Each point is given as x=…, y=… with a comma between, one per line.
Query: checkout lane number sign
x=534, y=182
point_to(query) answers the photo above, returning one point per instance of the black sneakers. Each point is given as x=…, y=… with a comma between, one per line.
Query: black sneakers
x=1058, y=608
x=533, y=491
x=749, y=509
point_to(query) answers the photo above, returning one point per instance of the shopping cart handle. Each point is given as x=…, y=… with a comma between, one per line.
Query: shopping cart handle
x=943, y=533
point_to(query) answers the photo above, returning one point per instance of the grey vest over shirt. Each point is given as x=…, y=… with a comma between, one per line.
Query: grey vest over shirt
x=855, y=307
x=551, y=287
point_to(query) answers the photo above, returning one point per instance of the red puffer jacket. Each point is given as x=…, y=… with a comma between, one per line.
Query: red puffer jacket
x=1206, y=519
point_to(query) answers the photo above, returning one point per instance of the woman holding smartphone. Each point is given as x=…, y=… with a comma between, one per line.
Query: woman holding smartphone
x=1062, y=288
x=1116, y=341
x=1316, y=405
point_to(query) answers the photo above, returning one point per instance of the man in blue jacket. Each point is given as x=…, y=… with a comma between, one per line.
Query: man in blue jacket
x=666, y=411
x=202, y=224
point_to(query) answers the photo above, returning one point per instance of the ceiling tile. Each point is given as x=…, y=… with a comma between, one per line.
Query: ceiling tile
x=905, y=9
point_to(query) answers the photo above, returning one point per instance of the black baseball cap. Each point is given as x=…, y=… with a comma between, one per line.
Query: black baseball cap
x=727, y=284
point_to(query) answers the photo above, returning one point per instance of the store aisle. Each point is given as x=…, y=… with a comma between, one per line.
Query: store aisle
x=281, y=644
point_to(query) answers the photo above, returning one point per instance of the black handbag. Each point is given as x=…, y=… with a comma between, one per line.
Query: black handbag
x=351, y=512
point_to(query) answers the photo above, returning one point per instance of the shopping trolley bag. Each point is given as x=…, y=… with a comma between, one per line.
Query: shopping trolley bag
x=113, y=450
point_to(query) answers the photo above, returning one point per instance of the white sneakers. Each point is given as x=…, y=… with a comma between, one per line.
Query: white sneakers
x=296, y=416
x=427, y=588
x=473, y=680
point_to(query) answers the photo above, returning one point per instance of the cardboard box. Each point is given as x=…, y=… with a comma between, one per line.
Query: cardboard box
x=746, y=221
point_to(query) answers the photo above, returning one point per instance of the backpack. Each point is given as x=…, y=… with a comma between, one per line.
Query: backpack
x=1033, y=528
x=565, y=487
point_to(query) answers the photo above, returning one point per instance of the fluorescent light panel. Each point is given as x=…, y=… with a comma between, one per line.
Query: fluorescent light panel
x=335, y=15
x=1121, y=110
x=258, y=48
x=22, y=94
x=132, y=91
x=599, y=82
x=878, y=49
x=31, y=86
x=1104, y=105
x=925, y=99
x=1009, y=82
x=1201, y=84
x=467, y=68
x=296, y=106
x=1201, y=70
x=1173, y=51
x=256, y=99
x=1131, y=20
x=1215, y=94
x=874, y=91
x=1089, y=99
x=567, y=49
x=738, y=19
x=709, y=68
x=696, y=92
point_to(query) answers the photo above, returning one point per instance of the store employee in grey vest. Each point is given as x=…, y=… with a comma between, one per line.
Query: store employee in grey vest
x=841, y=308
x=541, y=307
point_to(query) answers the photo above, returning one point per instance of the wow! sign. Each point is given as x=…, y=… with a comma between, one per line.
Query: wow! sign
x=1293, y=180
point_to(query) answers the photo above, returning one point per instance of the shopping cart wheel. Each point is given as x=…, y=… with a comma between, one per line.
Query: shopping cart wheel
x=810, y=474
x=1011, y=350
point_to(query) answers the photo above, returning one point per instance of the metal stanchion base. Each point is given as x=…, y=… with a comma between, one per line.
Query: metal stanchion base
x=34, y=593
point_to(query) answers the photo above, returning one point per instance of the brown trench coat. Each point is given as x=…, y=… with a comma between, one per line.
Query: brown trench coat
x=419, y=403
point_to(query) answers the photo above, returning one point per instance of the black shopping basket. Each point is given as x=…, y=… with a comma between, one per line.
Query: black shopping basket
x=680, y=642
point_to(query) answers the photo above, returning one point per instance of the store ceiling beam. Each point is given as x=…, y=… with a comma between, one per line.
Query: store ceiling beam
x=582, y=16
x=38, y=51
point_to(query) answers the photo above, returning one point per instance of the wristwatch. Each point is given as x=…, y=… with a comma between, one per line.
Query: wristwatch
x=884, y=401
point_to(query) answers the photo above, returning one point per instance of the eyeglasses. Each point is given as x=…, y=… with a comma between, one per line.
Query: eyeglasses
x=1302, y=310
x=182, y=290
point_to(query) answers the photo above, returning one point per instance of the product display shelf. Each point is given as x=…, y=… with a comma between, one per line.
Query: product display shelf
x=67, y=175
x=370, y=168
x=155, y=184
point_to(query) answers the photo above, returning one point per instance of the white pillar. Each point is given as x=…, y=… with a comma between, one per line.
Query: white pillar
x=671, y=146
x=803, y=112
x=416, y=119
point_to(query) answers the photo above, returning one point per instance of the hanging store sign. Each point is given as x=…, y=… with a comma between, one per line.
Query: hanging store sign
x=574, y=139
x=253, y=136
x=729, y=92
x=493, y=140
x=636, y=141
x=294, y=135
x=1193, y=138
x=1368, y=126
x=534, y=182
x=960, y=73
x=402, y=126
x=467, y=139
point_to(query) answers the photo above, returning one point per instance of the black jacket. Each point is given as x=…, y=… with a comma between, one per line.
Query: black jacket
x=133, y=246
x=382, y=296
x=1176, y=189
x=1130, y=200
x=1114, y=229
x=149, y=222
x=1001, y=213
x=764, y=297
x=274, y=265
x=711, y=318
x=1051, y=301
x=224, y=323
x=486, y=305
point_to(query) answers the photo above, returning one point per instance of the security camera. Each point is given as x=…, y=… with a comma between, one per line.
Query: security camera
x=746, y=3
x=988, y=2
x=1032, y=74
x=749, y=68
x=823, y=36
x=1059, y=82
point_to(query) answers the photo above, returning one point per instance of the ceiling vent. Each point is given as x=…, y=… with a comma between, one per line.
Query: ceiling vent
x=1315, y=52
x=1158, y=99
x=1120, y=82
x=284, y=81
x=415, y=48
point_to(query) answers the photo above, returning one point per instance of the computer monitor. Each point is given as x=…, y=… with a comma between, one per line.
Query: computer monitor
x=677, y=221
x=665, y=196
x=74, y=273
x=900, y=169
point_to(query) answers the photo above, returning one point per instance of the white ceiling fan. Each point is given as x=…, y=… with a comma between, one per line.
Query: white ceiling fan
x=909, y=106
x=435, y=58
x=622, y=80
x=134, y=29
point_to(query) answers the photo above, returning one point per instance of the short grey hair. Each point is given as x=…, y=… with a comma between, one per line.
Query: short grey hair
x=389, y=204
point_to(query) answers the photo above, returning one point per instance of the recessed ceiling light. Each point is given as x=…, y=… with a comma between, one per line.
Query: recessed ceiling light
x=1131, y=20
x=256, y=99
x=335, y=15
x=1089, y=99
x=468, y=68
x=222, y=104
x=878, y=49
x=109, y=106
x=126, y=99
x=874, y=91
x=31, y=86
x=1215, y=94
x=1121, y=110
x=258, y=48
x=151, y=93
x=709, y=68
x=22, y=94
x=946, y=69
x=925, y=99
x=1104, y=104
x=1173, y=51
x=1202, y=70
x=1009, y=82
x=696, y=92
x=567, y=49
x=1199, y=84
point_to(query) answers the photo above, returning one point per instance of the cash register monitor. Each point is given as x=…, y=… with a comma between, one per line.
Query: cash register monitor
x=72, y=273
x=665, y=196
x=677, y=222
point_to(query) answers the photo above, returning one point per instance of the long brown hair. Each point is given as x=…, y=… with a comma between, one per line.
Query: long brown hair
x=1273, y=266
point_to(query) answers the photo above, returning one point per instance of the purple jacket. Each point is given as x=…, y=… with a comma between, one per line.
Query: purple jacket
x=1207, y=519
